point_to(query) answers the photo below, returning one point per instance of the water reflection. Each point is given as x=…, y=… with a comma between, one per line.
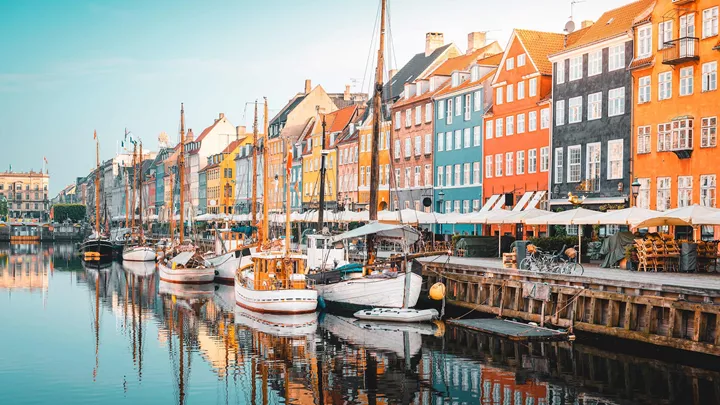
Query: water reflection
x=150, y=341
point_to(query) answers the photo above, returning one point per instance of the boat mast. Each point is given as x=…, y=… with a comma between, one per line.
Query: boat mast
x=288, y=168
x=323, y=170
x=97, y=186
x=172, y=208
x=140, y=190
x=266, y=220
x=181, y=171
x=132, y=205
x=377, y=113
x=127, y=201
x=253, y=207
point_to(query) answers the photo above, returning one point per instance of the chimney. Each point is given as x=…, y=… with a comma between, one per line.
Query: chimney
x=346, y=95
x=476, y=40
x=189, y=137
x=308, y=86
x=392, y=73
x=433, y=41
x=586, y=23
x=221, y=116
x=240, y=131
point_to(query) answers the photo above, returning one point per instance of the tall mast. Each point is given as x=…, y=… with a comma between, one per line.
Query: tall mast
x=266, y=220
x=134, y=187
x=377, y=112
x=127, y=201
x=140, y=190
x=97, y=185
x=181, y=171
x=172, y=207
x=323, y=170
x=288, y=167
x=253, y=172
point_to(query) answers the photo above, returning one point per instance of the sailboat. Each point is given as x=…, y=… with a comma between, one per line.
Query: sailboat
x=137, y=250
x=183, y=264
x=97, y=247
x=275, y=281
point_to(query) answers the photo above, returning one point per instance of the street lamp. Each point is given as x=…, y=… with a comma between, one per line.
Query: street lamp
x=635, y=188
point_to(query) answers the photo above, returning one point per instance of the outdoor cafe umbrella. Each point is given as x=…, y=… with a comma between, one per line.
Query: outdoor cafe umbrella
x=692, y=215
x=569, y=217
x=628, y=216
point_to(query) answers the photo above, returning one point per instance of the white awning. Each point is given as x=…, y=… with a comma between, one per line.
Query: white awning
x=536, y=200
x=397, y=233
x=590, y=200
x=490, y=202
x=523, y=200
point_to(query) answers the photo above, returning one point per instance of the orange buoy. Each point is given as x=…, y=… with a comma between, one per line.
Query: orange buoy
x=437, y=291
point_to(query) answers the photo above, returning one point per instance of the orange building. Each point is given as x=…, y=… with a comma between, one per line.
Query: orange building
x=365, y=156
x=676, y=104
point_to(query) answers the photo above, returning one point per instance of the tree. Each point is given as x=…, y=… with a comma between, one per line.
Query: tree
x=3, y=208
x=73, y=212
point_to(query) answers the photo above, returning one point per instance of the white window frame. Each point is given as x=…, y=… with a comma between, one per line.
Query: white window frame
x=594, y=109
x=418, y=114
x=664, y=86
x=488, y=166
x=572, y=165
x=510, y=93
x=532, y=121
x=499, y=127
x=428, y=144
x=468, y=107
x=708, y=134
x=499, y=91
x=428, y=112
x=510, y=64
x=398, y=119
x=520, y=123
x=509, y=162
x=397, y=152
x=441, y=109
x=686, y=81
x=477, y=100
x=440, y=175
x=544, y=159
x=575, y=110
x=644, y=89
x=520, y=166
x=710, y=22
x=593, y=165
x=476, y=173
x=616, y=102
x=458, y=106
x=418, y=145
x=458, y=139
x=615, y=163
x=707, y=190
x=449, y=116
x=595, y=63
x=532, y=161
x=545, y=118
x=644, y=41
x=665, y=33
x=457, y=179
x=477, y=135
x=498, y=165
x=560, y=72
x=521, y=60
x=576, y=68
x=466, y=174
x=643, y=140
x=664, y=193
x=448, y=175
x=560, y=113
x=466, y=138
x=408, y=117
x=488, y=129
x=440, y=141
x=408, y=147
x=684, y=191
x=521, y=90
x=532, y=87
x=509, y=125
x=709, y=76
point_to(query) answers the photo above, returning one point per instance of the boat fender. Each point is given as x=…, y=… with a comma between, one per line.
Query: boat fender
x=321, y=302
x=217, y=273
x=437, y=291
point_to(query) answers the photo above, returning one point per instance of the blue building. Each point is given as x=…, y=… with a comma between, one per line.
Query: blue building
x=202, y=192
x=159, y=164
x=459, y=134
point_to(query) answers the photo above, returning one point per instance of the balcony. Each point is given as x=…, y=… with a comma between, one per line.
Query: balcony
x=680, y=50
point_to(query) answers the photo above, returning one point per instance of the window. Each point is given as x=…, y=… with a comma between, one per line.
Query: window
x=476, y=172
x=458, y=139
x=458, y=180
x=448, y=141
x=428, y=144
x=521, y=123
x=477, y=102
x=440, y=110
x=686, y=81
x=509, y=125
x=532, y=121
x=682, y=134
x=532, y=87
x=440, y=174
x=458, y=106
x=545, y=159
x=532, y=160
x=595, y=63
x=488, y=129
x=476, y=205
x=397, y=122
x=466, y=206
x=664, y=33
x=509, y=163
x=575, y=114
x=397, y=178
x=663, y=193
x=521, y=57
x=418, y=145
x=644, y=90
x=448, y=119
x=468, y=105
x=477, y=137
x=466, y=138
x=643, y=141
x=560, y=112
x=510, y=93
x=664, y=85
x=593, y=166
x=574, y=157
x=408, y=147
x=498, y=165
x=545, y=118
x=707, y=190
x=408, y=117
x=417, y=176
x=509, y=64
x=710, y=23
x=456, y=206
x=664, y=137
x=520, y=168
x=448, y=175
x=644, y=41
x=643, y=197
x=594, y=106
x=576, y=65
x=521, y=90
x=407, y=177
x=708, y=137
x=499, y=95
x=616, y=102
x=498, y=128
x=397, y=149
x=418, y=115
x=684, y=191
x=615, y=159
x=362, y=175
x=709, y=76
x=466, y=174
x=440, y=141
x=488, y=166
x=560, y=72
x=428, y=112
x=448, y=205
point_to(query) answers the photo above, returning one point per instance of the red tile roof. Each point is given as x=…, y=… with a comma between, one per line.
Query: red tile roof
x=234, y=144
x=342, y=118
x=206, y=131
x=466, y=84
x=540, y=45
x=462, y=62
x=643, y=62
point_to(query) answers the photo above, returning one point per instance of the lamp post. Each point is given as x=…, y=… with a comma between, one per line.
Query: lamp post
x=441, y=199
x=635, y=189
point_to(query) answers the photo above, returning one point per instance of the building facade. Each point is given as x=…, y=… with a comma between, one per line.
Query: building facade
x=359, y=164
x=26, y=194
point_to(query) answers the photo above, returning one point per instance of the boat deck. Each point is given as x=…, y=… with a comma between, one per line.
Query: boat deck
x=511, y=330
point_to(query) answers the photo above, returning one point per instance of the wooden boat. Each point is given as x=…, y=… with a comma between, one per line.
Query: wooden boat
x=277, y=325
x=397, y=314
x=139, y=254
x=231, y=253
x=139, y=268
x=137, y=249
x=97, y=247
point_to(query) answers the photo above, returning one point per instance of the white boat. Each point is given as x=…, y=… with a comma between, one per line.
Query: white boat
x=405, y=343
x=140, y=269
x=175, y=270
x=139, y=254
x=278, y=325
x=372, y=291
x=230, y=255
x=397, y=314
x=186, y=292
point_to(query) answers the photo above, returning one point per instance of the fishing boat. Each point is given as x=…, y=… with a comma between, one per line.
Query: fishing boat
x=139, y=268
x=97, y=247
x=277, y=325
x=231, y=252
x=182, y=264
x=275, y=281
x=136, y=249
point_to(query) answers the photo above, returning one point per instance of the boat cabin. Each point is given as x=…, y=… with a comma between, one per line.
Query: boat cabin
x=275, y=271
x=323, y=254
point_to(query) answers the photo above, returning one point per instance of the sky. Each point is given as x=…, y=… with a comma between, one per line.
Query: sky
x=68, y=67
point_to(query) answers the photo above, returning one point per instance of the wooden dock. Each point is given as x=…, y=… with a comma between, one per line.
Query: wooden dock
x=516, y=331
x=675, y=310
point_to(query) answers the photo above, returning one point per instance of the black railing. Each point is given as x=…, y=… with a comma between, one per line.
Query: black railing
x=680, y=50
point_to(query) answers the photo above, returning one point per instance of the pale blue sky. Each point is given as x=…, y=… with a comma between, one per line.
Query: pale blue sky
x=68, y=67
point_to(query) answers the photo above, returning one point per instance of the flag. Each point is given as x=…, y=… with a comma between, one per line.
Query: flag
x=288, y=166
x=94, y=134
x=45, y=159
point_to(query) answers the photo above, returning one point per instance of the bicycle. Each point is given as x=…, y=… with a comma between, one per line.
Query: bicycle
x=538, y=260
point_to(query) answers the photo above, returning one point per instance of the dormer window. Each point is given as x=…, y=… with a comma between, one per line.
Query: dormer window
x=475, y=73
x=419, y=89
x=455, y=79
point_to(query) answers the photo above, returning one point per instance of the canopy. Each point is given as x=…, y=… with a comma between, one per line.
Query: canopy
x=390, y=232
x=521, y=217
x=455, y=218
x=206, y=217
x=691, y=215
x=489, y=217
x=408, y=216
x=569, y=217
x=627, y=216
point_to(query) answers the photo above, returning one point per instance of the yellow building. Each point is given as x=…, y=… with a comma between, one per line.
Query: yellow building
x=220, y=174
x=26, y=194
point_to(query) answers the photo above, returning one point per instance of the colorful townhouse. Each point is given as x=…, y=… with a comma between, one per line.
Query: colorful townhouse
x=675, y=112
x=592, y=96
x=220, y=179
x=244, y=172
x=287, y=126
x=348, y=168
x=360, y=177
x=202, y=191
x=517, y=127
x=160, y=201
x=296, y=169
x=460, y=106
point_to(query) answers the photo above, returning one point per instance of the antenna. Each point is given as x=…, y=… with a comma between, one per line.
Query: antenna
x=570, y=25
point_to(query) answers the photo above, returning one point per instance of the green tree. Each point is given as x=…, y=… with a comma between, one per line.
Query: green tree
x=73, y=212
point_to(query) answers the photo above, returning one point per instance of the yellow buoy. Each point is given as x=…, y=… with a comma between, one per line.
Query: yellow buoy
x=437, y=291
x=440, y=331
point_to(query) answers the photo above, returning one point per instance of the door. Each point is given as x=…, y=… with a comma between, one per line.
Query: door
x=687, y=35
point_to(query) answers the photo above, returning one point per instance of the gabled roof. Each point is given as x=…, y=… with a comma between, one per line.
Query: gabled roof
x=493, y=60
x=410, y=72
x=342, y=118
x=466, y=84
x=613, y=23
x=540, y=45
x=425, y=96
x=282, y=115
x=234, y=144
x=463, y=62
x=206, y=131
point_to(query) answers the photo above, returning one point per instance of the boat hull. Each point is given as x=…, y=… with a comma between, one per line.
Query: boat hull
x=226, y=265
x=277, y=325
x=279, y=302
x=371, y=292
x=186, y=276
x=140, y=269
x=397, y=315
x=139, y=254
x=103, y=247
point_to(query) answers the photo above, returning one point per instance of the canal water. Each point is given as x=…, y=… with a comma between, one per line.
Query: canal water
x=117, y=335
